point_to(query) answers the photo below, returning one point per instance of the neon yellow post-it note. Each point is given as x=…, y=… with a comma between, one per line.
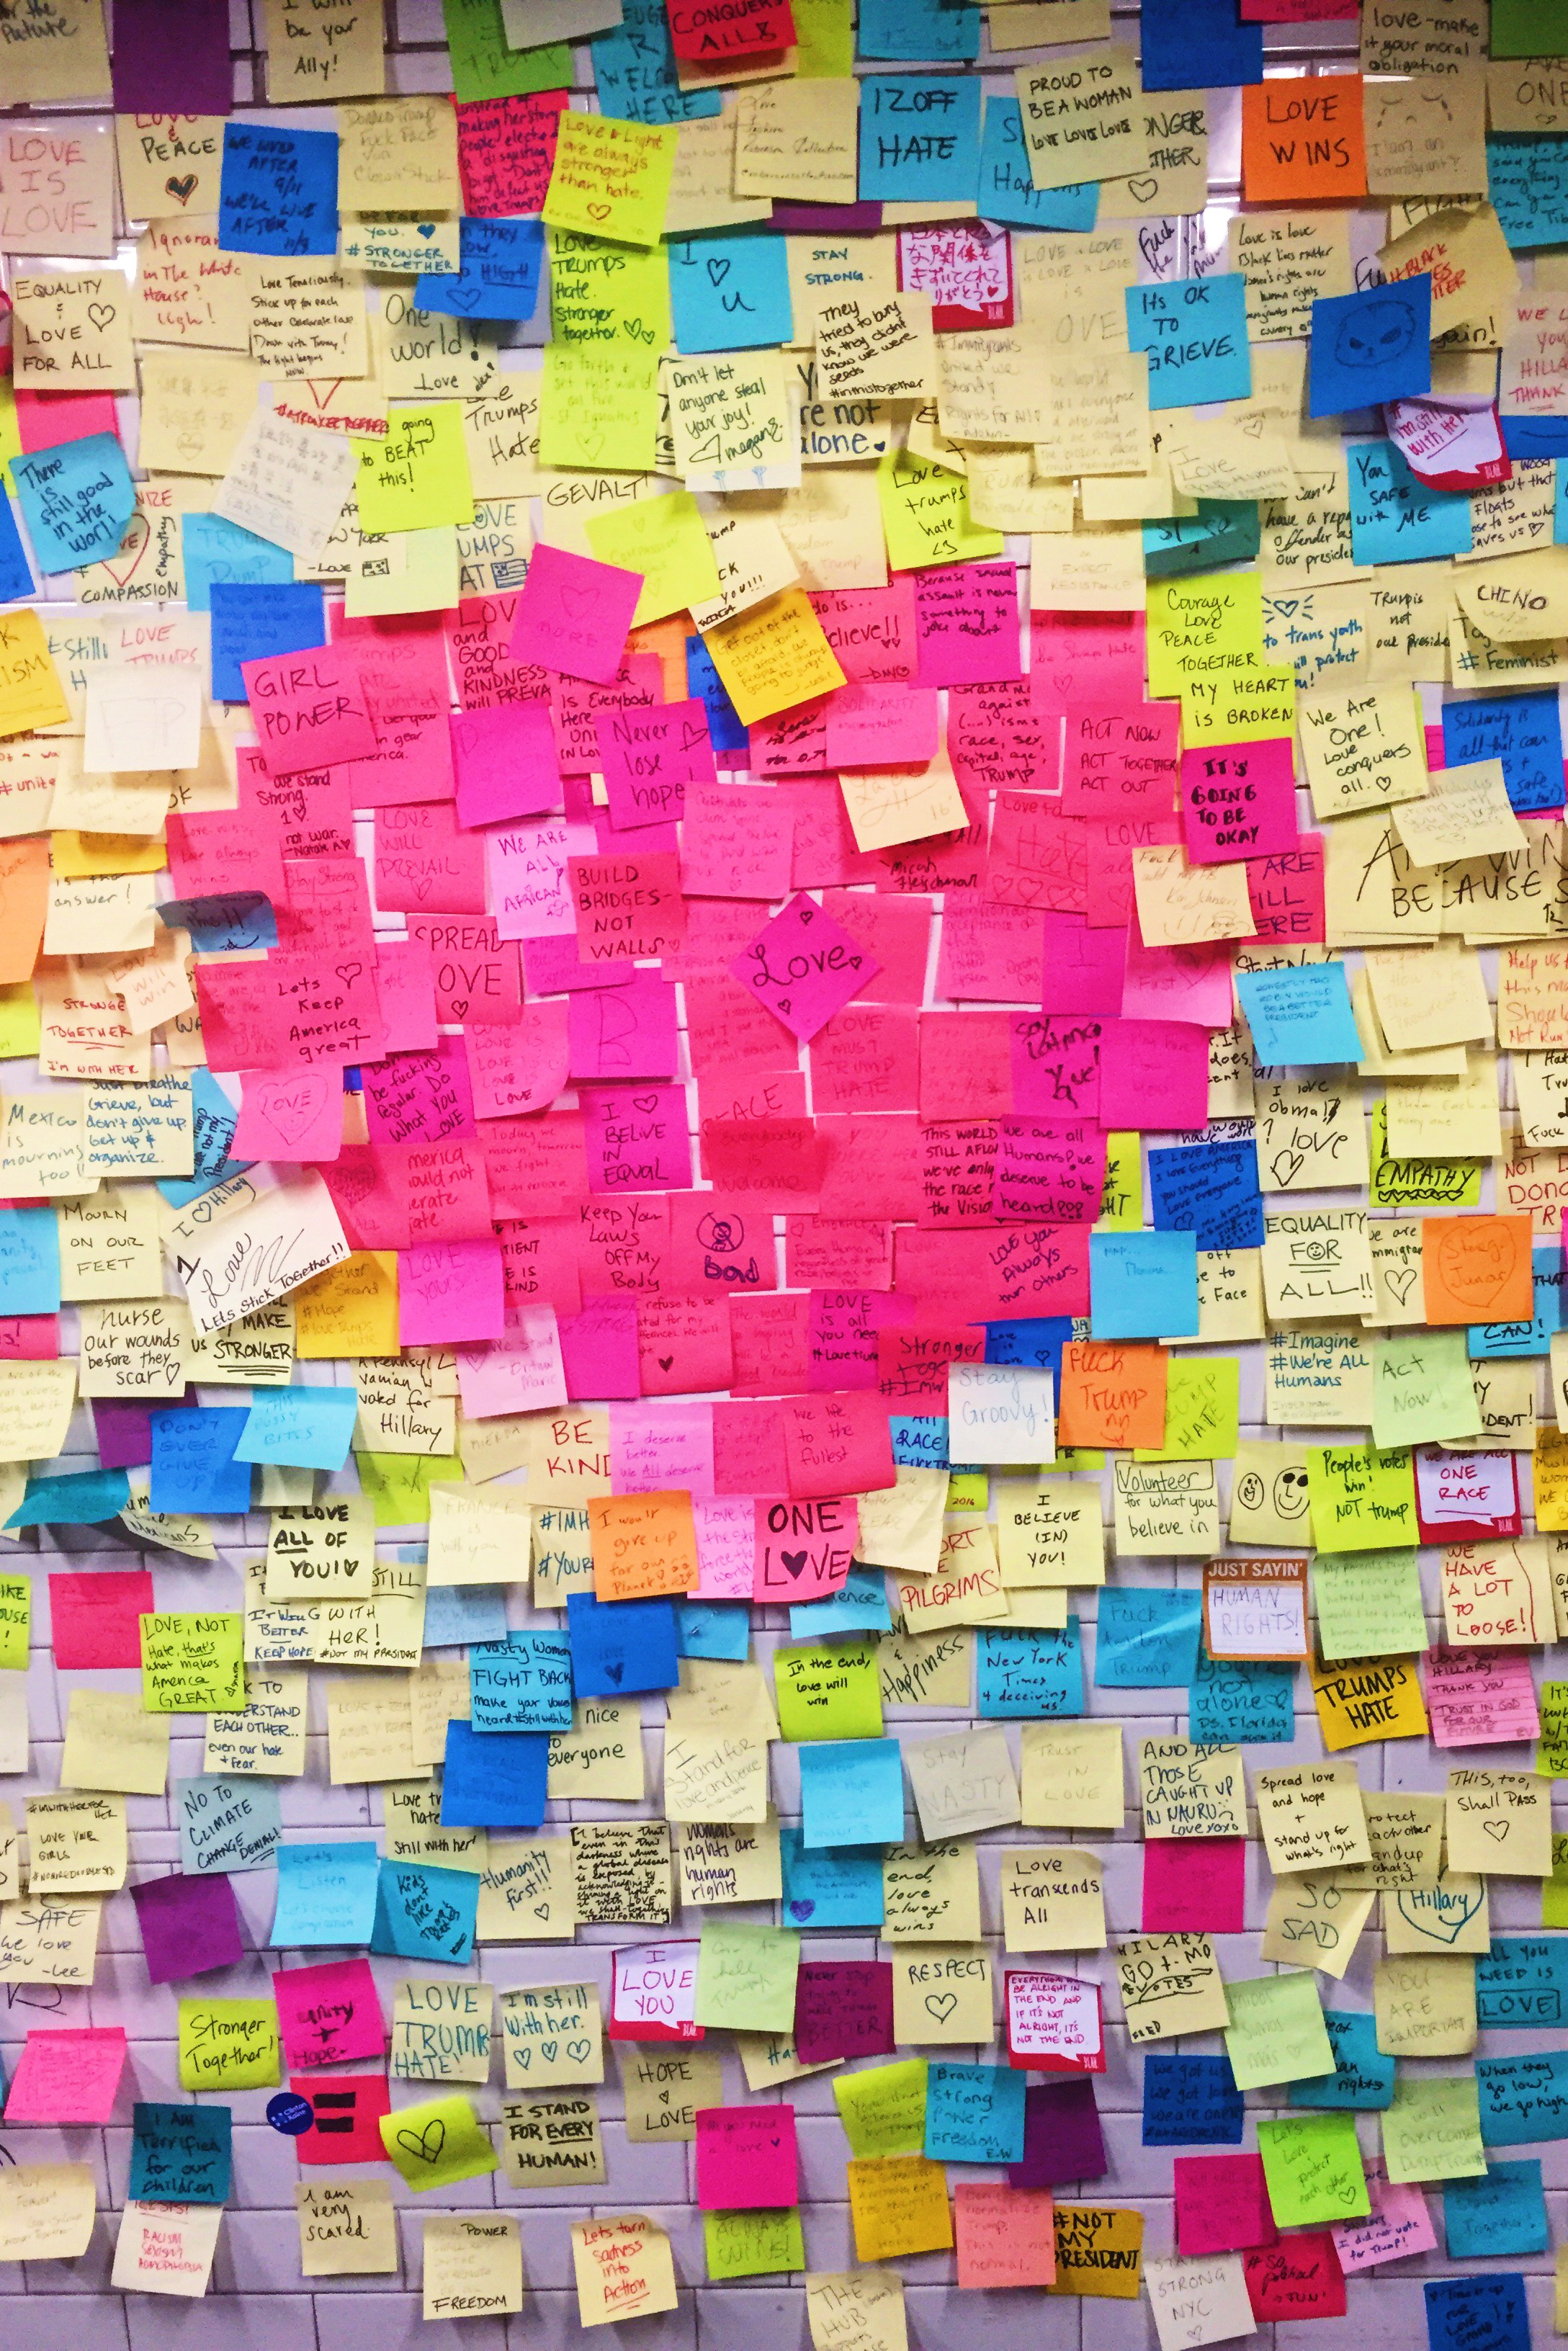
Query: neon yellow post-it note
x=752, y=2244
x=824, y=40
x=1202, y=626
x=399, y=1484
x=883, y=2110
x=228, y=2044
x=598, y=407
x=1121, y=1201
x=10, y=434
x=1361, y=1499
x=1203, y=1410
x=745, y=1976
x=899, y=2205
x=16, y=1619
x=926, y=514
x=665, y=541
x=30, y=692
x=21, y=1029
x=416, y=477
x=193, y=1664
x=437, y=2143
x=829, y=1690
x=773, y=656
x=610, y=178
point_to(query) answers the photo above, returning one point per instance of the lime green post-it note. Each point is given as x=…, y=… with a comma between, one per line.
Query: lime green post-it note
x=666, y=540
x=1369, y=1604
x=417, y=478
x=1422, y=1391
x=926, y=514
x=1203, y=1410
x=228, y=2044
x=1433, y=2130
x=438, y=2142
x=1121, y=1201
x=824, y=40
x=1200, y=625
x=1360, y=1498
x=16, y=1622
x=745, y=1976
x=829, y=1690
x=604, y=293
x=598, y=407
x=1277, y=2031
x=21, y=1024
x=610, y=178
x=883, y=2110
x=1551, y=1753
x=1313, y=2168
x=399, y=1484
x=1419, y=1183
x=484, y=63
x=752, y=2244
x=193, y=1664
x=969, y=1490
x=1554, y=1889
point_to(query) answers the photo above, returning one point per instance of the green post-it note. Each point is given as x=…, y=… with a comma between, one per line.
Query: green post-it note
x=1203, y=1410
x=829, y=1690
x=752, y=2244
x=1529, y=28
x=599, y=408
x=1277, y=2031
x=1554, y=1889
x=883, y=2110
x=228, y=2044
x=1369, y=1604
x=1422, y=1391
x=1433, y=2130
x=968, y=1489
x=399, y=1484
x=1360, y=1498
x=1419, y=1183
x=926, y=514
x=666, y=540
x=484, y=65
x=745, y=1976
x=417, y=478
x=193, y=1664
x=438, y=2143
x=824, y=40
x=1313, y=2168
x=15, y=1620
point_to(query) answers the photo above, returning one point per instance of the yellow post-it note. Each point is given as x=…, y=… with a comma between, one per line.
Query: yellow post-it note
x=1426, y=2005
x=773, y=656
x=1098, y=2252
x=192, y=1664
x=623, y=2268
x=228, y=2044
x=348, y=2228
x=745, y=1976
x=899, y=2205
x=472, y=2265
x=665, y=541
x=351, y=1309
x=1500, y=1822
x=882, y=2108
x=416, y=478
x=610, y=178
x=31, y=695
x=1170, y=1985
x=438, y=2142
x=1363, y=1699
x=1311, y=1817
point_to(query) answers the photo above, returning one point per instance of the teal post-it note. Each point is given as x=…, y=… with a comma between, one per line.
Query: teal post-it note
x=1194, y=332
x=1503, y=2213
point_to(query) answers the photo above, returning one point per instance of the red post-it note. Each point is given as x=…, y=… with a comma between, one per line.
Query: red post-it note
x=347, y=2109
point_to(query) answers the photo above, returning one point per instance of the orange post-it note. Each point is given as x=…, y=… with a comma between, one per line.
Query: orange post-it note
x=1476, y=1268
x=643, y=1544
x=1007, y=2236
x=773, y=656
x=1302, y=140
x=1112, y=1394
x=899, y=2204
x=23, y=903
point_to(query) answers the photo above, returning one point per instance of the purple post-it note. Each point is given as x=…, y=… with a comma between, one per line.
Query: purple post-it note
x=189, y=1926
x=574, y=615
x=843, y=2008
x=804, y=966
x=1062, y=2138
x=124, y=1430
x=171, y=56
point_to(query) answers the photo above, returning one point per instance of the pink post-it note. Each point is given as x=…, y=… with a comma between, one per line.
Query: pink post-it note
x=519, y=1371
x=805, y=1548
x=624, y=1032
x=96, y=1617
x=574, y=614
x=726, y=1546
x=189, y=1926
x=505, y=762
x=1186, y=983
x=1086, y=657
x=637, y=1139
x=1480, y=1697
x=746, y=2160
x=876, y=724
x=803, y=966
x=1004, y=2236
x=648, y=754
x=1194, y=1885
x=405, y=987
x=1083, y=968
x=1153, y=1074
x=1222, y=2203
x=298, y=1116
x=451, y=1290
x=599, y=1350
x=1239, y=801
x=1120, y=761
x=310, y=709
x=68, y=2076
x=46, y=419
x=521, y=1068
x=966, y=623
x=1400, y=2222
x=329, y=2012
x=1048, y=1174
x=1055, y=1064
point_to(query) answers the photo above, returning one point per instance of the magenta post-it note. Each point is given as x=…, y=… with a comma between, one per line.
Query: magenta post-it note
x=189, y=1926
x=1222, y=2203
x=574, y=614
x=746, y=2160
x=505, y=761
x=1194, y=1885
x=97, y=1618
x=648, y=754
x=329, y=2012
x=68, y=2076
x=308, y=709
x=843, y=2008
x=1239, y=801
x=804, y=966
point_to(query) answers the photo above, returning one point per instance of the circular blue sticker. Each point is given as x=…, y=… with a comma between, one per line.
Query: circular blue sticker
x=289, y=2112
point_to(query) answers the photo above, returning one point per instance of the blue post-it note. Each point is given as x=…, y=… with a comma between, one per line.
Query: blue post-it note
x=227, y=1826
x=1210, y=1190
x=1524, y=731
x=225, y=922
x=1199, y=46
x=502, y=266
x=76, y=500
x=1362, y=2077
x=1527, y=180
x=494, y=1780
x=1194, y=332
x=325, y=1894
x=1241, y=1702
x=84, y=1499
x=425, y=1912
x=634, y=71
x=1503, y=2213
x=1026, y=1673
x=920, y=138
x=859, y=1605
x=278, y=191
x=1369, y=347
x=1191, y=2102
x=306, y=1429
x=1524, y=2098
x=216, y=549
x=974, y=2114
x=1301, y=1017
x=1490, y=1340
x=1477, y=2313
x=1521, y=1983
x=621, y=1646
x=213, y=1122
x=1007, y=194
x=1395, y=519
x=852, y=1791
x=1034, y=1340
x=1146, y=1640
x=825, y=1888
x=194, y=1461
x=29, y=1261
x=919, y=1440
x=15, y=571
x=730, y=293
x=704, y=684
x=1143, y=1285
x=523, y=1683
x=181, y=2155
x=456, y=1614
x=920, y=32
x=249, y=622
x=713, y=1628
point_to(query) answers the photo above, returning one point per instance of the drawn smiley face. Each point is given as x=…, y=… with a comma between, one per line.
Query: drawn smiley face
x=1377, y=333
x=1291, y=1494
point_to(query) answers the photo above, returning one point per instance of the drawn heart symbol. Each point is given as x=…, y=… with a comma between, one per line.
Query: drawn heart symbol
x=347, y=972
x=550, y=2050
x=426, y=2144
x=717, y=271
x=637, y=332
x=666, y=1363
x=597, y=211
x=290, y=1110
x=1285, y=1169
x=524, y=2054
x=616, y=1671
x=182, y=189
x=646, y=1103
x=103, y=314
x=1496, y=1830
x=578, y=2051
x=1401, y=1281
x=577, y=602
x=1445, y=1926
x=134, y=546
x=541, y=1909
x=793, y=1560
x=941, y=2004
x=426, y=229
x=1142, y=189
x=801, y=1909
